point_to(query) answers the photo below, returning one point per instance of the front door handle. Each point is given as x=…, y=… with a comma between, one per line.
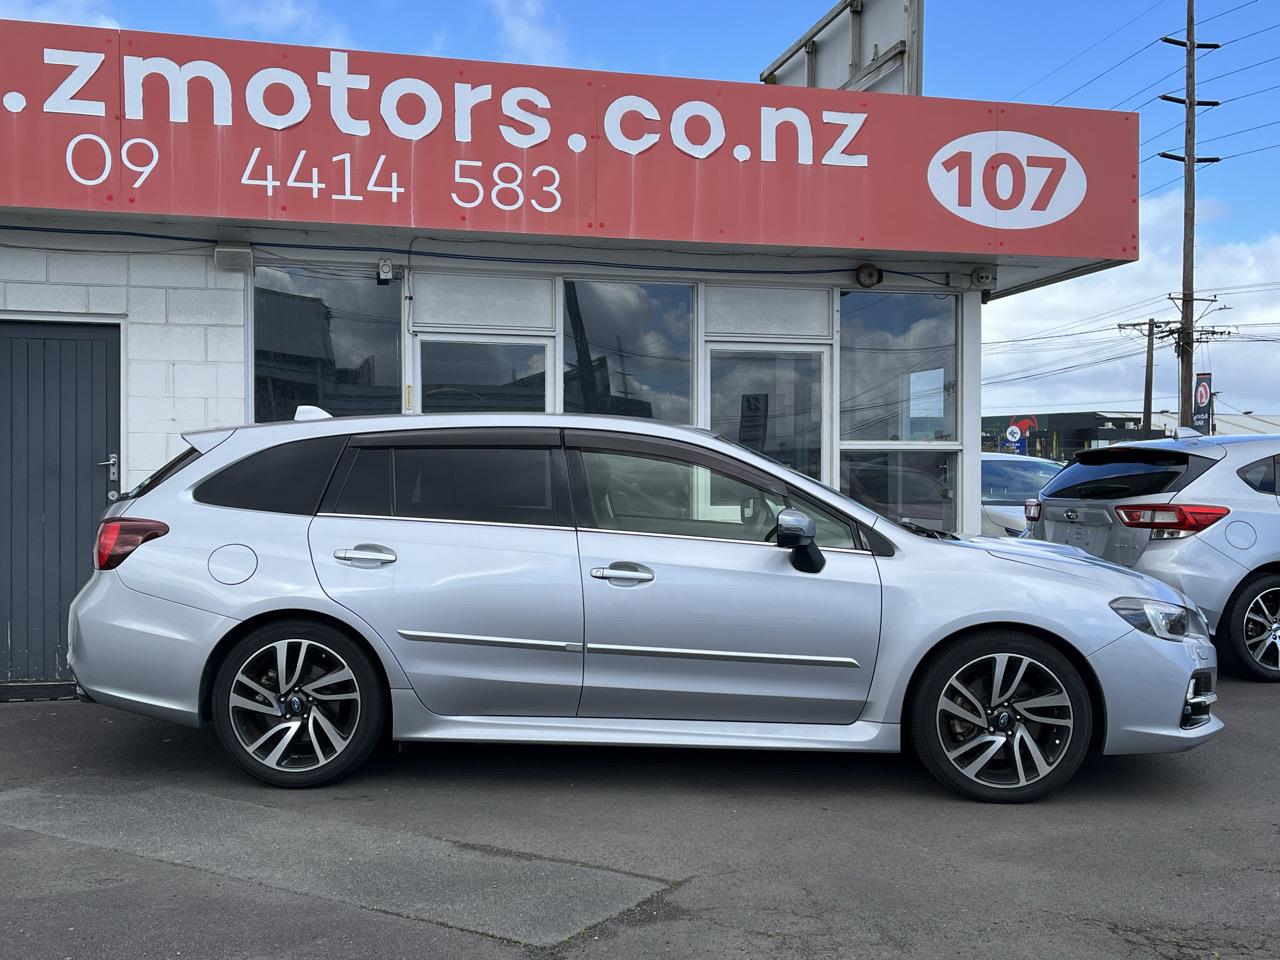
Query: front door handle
x=616, y=572
x=366, y=553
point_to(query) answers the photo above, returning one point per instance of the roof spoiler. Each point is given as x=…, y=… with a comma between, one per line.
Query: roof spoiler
x=206, y=440
x=308, y=412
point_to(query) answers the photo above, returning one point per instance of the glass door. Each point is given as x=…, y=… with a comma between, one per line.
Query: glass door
x=772, y=399
x=456, y=373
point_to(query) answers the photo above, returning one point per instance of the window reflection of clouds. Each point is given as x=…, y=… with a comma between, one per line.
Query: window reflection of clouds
x=365, y=315
x=325, y=334
x=644, y=329
x=793, y=384
x=884, y=340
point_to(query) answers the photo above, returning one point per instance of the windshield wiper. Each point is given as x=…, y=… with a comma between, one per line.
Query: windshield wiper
x=923, y=531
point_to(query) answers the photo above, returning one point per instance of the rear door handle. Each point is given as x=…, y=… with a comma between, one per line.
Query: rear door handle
x=621, y=573
x=366, y=553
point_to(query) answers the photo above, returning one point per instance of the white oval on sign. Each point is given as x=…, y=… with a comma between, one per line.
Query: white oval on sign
x=1007, y=179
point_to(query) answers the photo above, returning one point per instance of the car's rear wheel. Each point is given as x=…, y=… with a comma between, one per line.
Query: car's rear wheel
x=298, y=704
x=1001, y=716
x=1249, y=634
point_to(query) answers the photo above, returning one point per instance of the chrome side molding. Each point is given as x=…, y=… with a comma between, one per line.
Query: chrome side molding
x=686, y=653
x=479, y=641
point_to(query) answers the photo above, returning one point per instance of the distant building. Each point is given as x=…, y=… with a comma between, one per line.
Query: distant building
x=1063, y=434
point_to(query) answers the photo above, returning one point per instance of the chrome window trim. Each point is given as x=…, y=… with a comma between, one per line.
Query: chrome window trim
x=470, y=523
x=687, y=536
x=539, y=526
x=482, y=641
x=686, y=653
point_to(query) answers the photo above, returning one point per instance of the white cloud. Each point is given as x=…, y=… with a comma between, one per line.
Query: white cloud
x=84, y=12
x=1244, y=370
x=529, y=34
x=294, y=21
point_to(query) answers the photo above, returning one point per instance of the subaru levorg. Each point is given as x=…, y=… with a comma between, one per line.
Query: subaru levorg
x=305, y=587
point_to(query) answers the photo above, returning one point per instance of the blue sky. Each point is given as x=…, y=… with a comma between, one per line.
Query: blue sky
x=1096, y=54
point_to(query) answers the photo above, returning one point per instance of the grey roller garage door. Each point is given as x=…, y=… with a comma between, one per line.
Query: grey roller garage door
x=59, y=419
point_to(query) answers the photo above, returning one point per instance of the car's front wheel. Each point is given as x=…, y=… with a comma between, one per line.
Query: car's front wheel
x=1001, y=716
x=1250, y=630
x=298, y=704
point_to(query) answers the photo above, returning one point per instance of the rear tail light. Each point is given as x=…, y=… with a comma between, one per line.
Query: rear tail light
x=1171, y=520
x=1031, y=510
x=119, y=537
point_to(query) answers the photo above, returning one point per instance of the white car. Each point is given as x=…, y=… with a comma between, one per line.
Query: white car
x=1009, y=480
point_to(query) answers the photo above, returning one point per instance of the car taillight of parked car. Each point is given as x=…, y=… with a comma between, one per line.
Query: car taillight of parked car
x=120, y=536
x=1169, y=521
x=1031, y=510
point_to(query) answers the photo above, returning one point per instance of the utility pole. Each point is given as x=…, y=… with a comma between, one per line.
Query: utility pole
x=1146, y=390
x=1186, y=335
x=1150, y=328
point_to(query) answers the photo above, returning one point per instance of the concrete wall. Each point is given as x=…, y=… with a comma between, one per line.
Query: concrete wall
x=182, y=335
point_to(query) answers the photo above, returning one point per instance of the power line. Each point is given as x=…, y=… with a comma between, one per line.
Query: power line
x=1092, y=46
x=1245, y=153
x=1250, y=66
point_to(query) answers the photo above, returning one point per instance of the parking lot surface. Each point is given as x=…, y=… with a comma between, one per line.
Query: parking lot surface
x=125, y=837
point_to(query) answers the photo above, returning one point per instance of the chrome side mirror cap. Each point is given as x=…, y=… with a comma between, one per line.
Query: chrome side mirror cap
x=796, y=532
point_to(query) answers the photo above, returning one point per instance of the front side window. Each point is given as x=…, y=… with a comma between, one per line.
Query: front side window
x=324, y=336
x=648, y=494
x=480, y=484
x=897, y=366
x=629, y=349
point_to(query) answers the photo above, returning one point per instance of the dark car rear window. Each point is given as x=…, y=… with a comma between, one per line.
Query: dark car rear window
x=286, y=479
x=1118, y=473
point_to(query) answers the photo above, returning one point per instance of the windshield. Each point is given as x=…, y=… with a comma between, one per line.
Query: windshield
x=1015, y=481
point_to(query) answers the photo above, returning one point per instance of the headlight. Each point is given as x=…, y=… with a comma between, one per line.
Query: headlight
x=1165, y=620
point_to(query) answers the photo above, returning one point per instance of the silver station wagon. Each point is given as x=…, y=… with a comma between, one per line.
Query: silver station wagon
x=308, y=587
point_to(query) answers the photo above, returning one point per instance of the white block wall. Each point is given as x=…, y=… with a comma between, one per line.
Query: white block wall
x=183, y=335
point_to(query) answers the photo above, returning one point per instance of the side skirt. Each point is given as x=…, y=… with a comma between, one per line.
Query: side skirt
x=412, y=721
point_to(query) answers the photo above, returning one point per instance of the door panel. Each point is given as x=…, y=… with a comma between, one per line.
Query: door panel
x=59, y=420
x=485, y=619
x=725, y=631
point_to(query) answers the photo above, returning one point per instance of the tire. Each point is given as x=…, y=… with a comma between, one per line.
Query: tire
x=1020, y=733
x=305, y=732
x=1249, y=647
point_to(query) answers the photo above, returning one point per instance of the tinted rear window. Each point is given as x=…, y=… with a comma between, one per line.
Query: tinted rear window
x=286, y=479
x=483, y=484
x=1096, y=475
x=1260, y=475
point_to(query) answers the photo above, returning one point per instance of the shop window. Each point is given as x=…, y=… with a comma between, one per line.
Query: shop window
x=897, y=366
x=629, y=349
x=913, y=485
x=328, y=336
x=475, y=377
x=770, y=401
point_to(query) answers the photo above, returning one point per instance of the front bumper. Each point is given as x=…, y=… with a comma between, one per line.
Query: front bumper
x=1148, y=686
x=140, y=653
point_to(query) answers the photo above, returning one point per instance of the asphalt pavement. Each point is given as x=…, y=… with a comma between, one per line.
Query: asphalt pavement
x=122, y=837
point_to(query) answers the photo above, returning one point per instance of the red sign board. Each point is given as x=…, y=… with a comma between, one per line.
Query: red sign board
x=106, y=120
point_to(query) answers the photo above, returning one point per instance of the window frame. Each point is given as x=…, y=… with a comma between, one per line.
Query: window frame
x=492, y=438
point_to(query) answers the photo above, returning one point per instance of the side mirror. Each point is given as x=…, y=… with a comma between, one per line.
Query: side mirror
x=796, y=532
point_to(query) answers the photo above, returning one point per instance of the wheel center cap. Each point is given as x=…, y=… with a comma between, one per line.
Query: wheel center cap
x=1003, y=720
x=295, y=705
